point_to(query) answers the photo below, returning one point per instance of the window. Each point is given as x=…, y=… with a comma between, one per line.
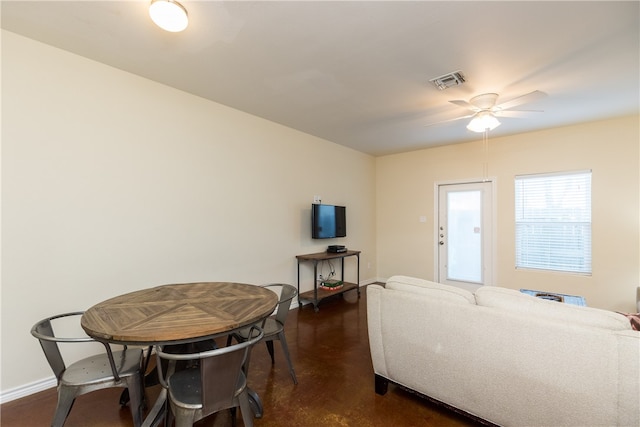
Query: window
x=553, y=222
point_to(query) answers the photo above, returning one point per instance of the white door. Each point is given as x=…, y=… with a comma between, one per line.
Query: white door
x=465, y=234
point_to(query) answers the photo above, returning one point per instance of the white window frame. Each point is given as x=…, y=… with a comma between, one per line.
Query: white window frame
x=553, y=222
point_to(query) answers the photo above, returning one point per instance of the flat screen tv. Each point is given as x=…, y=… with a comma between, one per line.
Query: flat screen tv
x=328, y=221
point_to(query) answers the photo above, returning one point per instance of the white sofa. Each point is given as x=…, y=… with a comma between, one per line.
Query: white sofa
x=505, y=357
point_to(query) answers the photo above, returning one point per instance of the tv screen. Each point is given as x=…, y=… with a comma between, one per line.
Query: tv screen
x=328, y=221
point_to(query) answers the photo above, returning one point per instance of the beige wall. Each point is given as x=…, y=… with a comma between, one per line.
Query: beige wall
x=405, y=191
x=112, y=183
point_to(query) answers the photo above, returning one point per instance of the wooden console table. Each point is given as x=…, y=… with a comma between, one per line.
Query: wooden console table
x=315, y=296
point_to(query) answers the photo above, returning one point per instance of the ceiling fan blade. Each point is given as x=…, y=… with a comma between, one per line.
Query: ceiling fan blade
x=517, y=113
x=465, y=104
x=449, y=120
x=523, y=99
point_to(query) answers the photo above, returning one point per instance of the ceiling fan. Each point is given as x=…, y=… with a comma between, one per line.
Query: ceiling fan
x=484, y=111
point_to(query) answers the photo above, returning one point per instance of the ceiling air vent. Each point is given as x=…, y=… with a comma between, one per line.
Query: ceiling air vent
x=448, y=80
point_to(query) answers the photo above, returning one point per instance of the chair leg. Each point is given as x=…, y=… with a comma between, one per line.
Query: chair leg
x=245, y=408
x=270, y=350
x=168, y=421
x=136, y=398
x=233, y=416
x=285, y=349
x=183, y=417
x=66, y=397
x=245, y=367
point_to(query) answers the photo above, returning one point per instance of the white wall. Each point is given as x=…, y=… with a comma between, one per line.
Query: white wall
x=405, y=191
x=113, y=183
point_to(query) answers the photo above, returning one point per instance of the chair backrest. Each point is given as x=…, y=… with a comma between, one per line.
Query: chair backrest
x=220, y=377
x=43, y=331
x=220, y=371
x=287, y=293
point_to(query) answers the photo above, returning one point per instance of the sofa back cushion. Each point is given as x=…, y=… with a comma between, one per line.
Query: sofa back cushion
x=431, y=289
x=516, y=301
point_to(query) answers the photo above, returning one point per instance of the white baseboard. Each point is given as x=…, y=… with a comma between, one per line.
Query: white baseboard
x=27, y=389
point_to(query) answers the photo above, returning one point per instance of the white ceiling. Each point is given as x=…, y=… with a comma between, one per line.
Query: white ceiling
x=357, y=73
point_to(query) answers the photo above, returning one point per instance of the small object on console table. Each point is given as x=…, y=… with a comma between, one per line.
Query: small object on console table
x=331, y=285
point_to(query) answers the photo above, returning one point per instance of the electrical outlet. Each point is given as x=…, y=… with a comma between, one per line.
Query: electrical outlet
x=317, y=199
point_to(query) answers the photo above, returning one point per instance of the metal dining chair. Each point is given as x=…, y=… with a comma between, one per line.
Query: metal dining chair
x=105, y=370
x=216, y=382
x=273, y=326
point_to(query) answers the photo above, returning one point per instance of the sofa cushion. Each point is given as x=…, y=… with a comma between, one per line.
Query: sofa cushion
x=518, y=302
x=431, y=289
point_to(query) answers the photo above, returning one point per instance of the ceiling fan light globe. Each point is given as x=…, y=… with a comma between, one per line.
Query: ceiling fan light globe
x=169, y=15
x=482, y=122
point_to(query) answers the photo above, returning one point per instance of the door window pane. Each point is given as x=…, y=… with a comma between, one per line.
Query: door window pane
x=464, y=249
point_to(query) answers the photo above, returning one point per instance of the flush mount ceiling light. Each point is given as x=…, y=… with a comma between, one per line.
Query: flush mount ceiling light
x=169, y=15
x=484, y=120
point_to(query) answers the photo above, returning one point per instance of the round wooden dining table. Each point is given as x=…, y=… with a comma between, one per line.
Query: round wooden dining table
x=171, y=314
x=179, y=313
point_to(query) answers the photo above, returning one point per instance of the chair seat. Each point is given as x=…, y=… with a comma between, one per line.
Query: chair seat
x=96, y=369
x=185, y=388
x=186, y=391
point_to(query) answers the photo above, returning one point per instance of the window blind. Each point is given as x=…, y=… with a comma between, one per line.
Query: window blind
x=553, y=222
